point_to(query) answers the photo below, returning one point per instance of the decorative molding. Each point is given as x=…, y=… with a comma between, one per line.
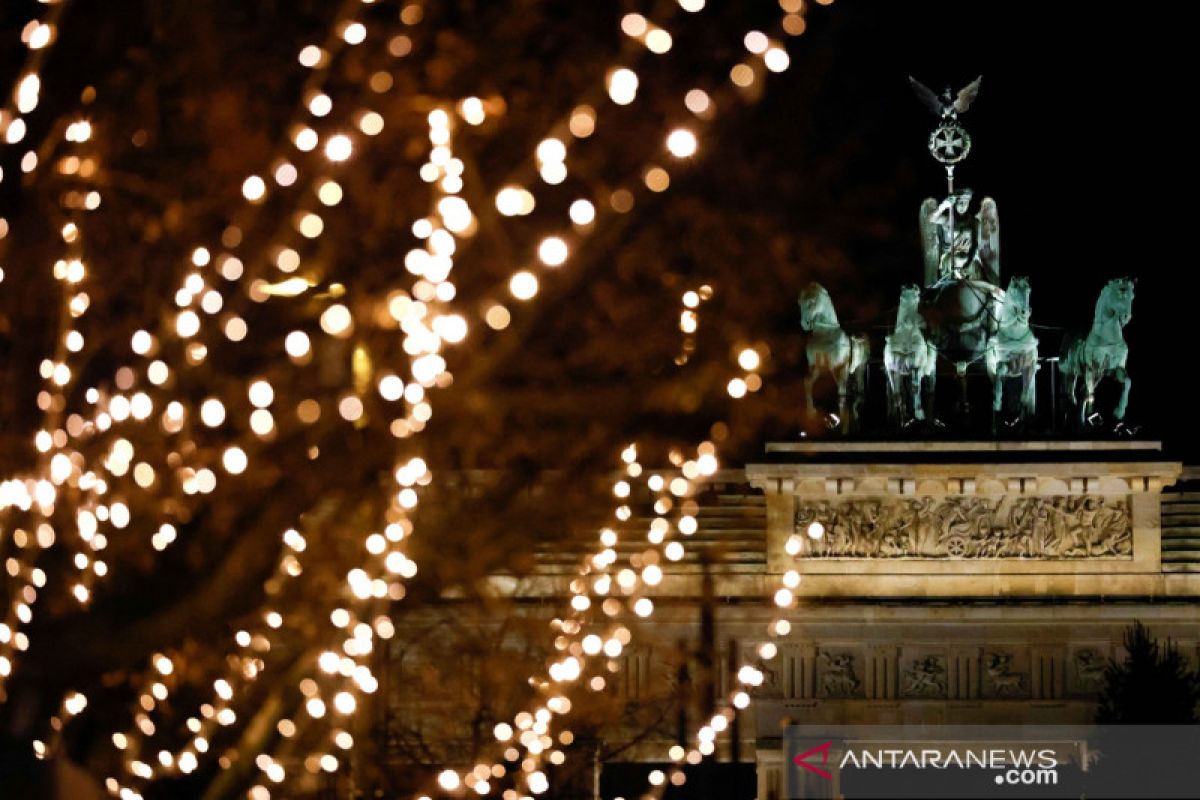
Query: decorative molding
x=1063, y=527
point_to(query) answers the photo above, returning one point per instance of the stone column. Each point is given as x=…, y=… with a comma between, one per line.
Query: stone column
x=770, y=774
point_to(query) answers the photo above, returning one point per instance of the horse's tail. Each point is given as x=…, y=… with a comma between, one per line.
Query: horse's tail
x=860, y=352
x=1068, y=363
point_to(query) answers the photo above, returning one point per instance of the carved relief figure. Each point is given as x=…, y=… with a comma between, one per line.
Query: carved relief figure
x=999, y=671
x=1063, y=527
x=926, y=678
x=1089, y=669
x=1096, y=529
x=838, y=678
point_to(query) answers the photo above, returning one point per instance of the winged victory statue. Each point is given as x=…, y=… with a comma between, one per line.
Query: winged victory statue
x=959, y=242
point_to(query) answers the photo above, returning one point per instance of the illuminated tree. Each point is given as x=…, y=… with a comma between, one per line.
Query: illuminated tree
x=244, y=315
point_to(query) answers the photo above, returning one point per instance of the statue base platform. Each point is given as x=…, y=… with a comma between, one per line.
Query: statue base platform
x=967, y=518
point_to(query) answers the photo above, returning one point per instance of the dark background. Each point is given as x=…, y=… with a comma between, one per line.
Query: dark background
x=1077, y=134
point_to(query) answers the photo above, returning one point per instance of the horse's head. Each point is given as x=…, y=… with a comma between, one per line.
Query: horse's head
x=910, y=303
x=1016, y=297
x=815, y=307
x=1116, y=300
x=1018, y=286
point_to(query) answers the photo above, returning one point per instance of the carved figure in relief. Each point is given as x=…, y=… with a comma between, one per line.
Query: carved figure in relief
x=927, y=677
x=1089, y=668
x=952, y=526
x=1006, y=682
x=839, y=678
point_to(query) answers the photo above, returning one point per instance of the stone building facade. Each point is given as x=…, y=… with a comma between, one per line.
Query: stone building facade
x=968, y=582
x=954, y=582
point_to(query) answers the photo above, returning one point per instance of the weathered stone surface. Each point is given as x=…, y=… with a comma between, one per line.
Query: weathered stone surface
x=1079, y=512
x=965, y=527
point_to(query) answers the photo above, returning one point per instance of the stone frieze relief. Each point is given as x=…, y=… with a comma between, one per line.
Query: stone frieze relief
x=955, y=526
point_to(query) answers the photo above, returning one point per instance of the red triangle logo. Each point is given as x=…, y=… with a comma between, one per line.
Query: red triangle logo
x=801, y=760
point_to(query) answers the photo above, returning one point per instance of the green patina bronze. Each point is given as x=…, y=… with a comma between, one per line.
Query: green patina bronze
x=963, y=316
x=1102, y=353
x=830, y=350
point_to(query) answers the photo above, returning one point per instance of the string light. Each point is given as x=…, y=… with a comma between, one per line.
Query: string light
x=38, y=36
x=622, y=86
x=60, y=465
x=427, y=324
x=682, y=143
x=202, y=480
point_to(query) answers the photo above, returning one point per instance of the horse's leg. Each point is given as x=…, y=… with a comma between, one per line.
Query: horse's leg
x=899, y=398
x=892, y=393
x=991, y=363
x=1072, y=394
x=816, y=365
x=930, y=380
x=809, y=380
x=1120, y=374
x=998, y=373
x=857, y=382
x=841, y=374
x=964, y=397
x=915, y=382
x=1029, y=395
x=1090, y=379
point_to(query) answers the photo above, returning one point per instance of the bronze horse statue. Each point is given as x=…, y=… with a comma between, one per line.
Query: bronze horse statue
x=910, y=363
x=1102, y=353
x=1012, y=352
x=830, y=350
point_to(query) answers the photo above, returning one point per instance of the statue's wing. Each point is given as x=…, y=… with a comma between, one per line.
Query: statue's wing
x=967, y=95
x=927, y=96
x=929, y=240
x=987, y=233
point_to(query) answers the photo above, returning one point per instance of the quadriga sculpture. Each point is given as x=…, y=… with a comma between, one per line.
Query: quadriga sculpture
x=1101, y=354
x=830, y=350
x=1012, y=351
x=910, y=362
